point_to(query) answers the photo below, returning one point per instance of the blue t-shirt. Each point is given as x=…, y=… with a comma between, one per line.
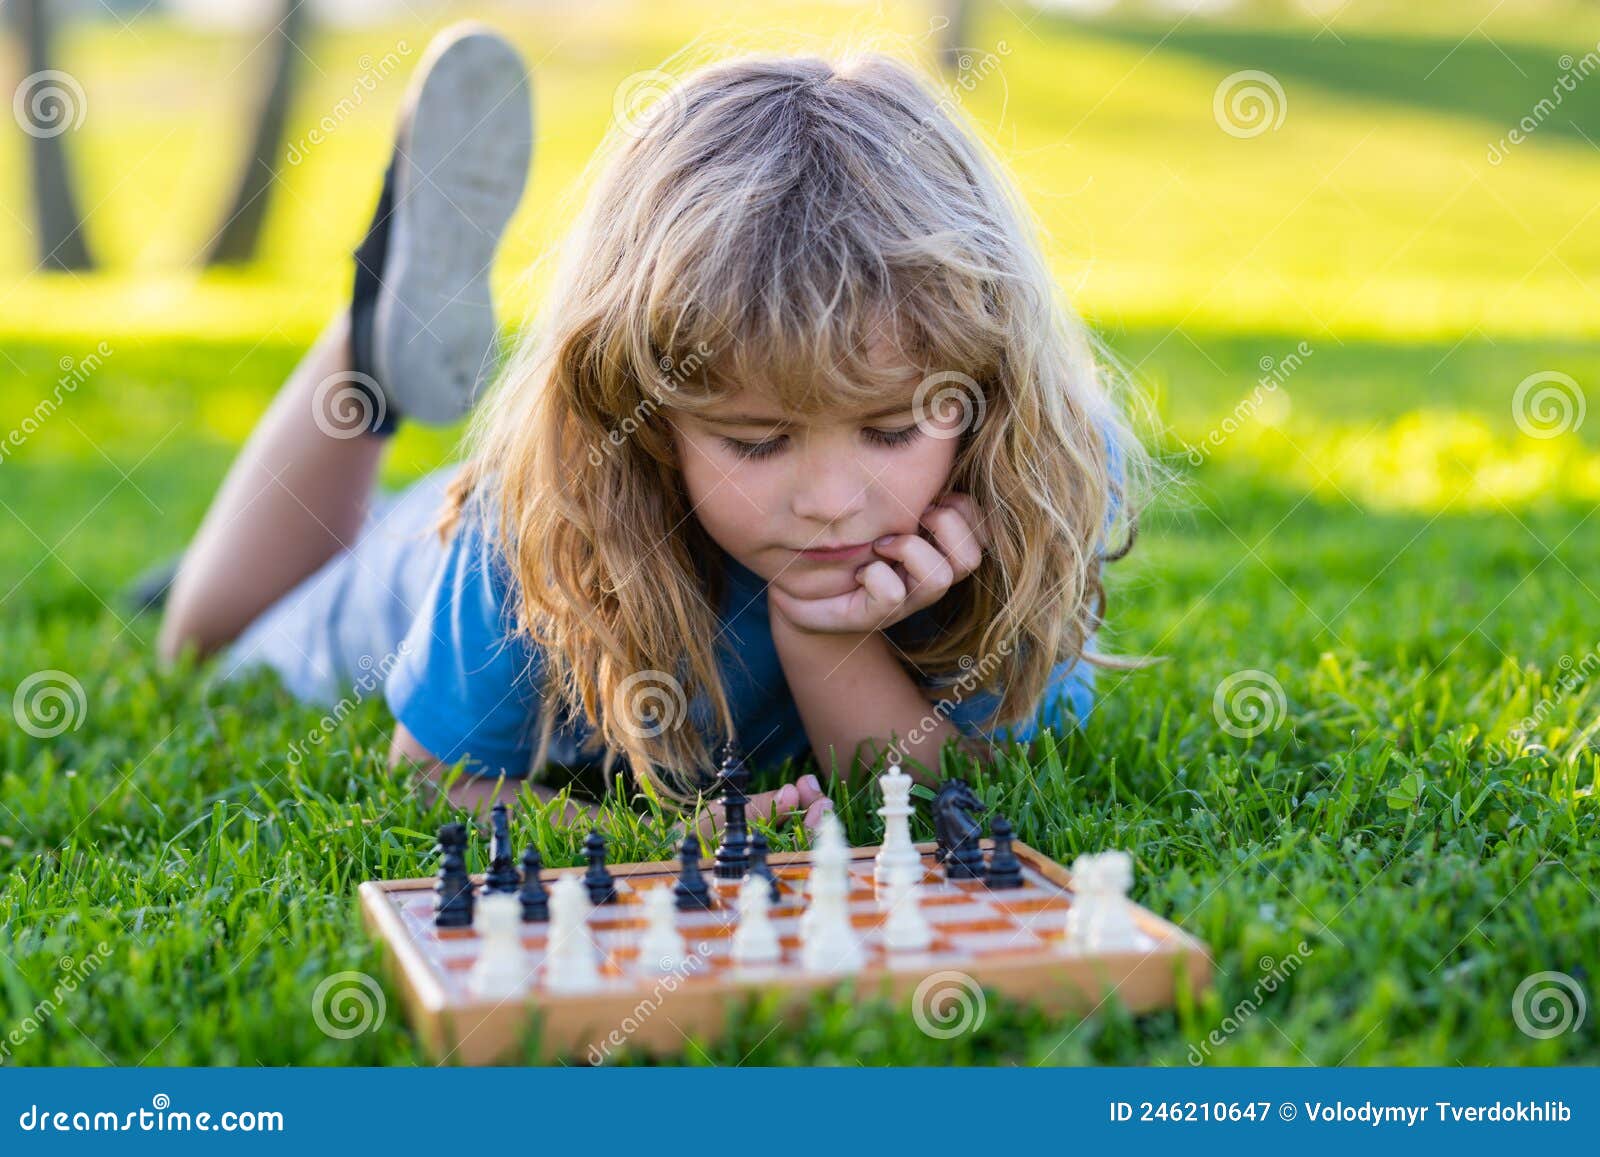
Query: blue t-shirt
x=467, y=687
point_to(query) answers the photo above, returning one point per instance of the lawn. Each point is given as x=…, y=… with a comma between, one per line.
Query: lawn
x=1375, y=539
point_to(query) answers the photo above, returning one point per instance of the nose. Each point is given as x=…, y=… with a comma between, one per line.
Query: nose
x=828, y=490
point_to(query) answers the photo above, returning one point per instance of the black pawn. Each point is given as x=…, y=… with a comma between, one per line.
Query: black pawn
x=733, y=854
x=602, y=888
x=691, y=890
x=759, y=866
x=453, y=908
x=502, y=873
x=1005, y=870
x=535, y=901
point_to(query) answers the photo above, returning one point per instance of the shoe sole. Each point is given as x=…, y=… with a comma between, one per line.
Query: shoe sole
x=464, y=159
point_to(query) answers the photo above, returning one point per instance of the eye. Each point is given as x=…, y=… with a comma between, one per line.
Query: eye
x=753, y=449
x=891, y=437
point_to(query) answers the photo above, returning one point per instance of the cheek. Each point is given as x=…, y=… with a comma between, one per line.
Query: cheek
x=725, y=497
x=922, y=476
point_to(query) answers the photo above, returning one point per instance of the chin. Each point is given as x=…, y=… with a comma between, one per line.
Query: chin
x=809, y=581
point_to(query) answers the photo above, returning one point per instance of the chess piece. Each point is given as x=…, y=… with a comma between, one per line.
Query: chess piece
x=501, y=970
x=501, y=875
x=453, y=908
x=602, y=888
x=535, y=900
x=954, y=816
x=760, y=867
x=733, y=852
x=572, y=962
x=896, y=812
x=755, y=940
x=906, y=929
x=661, y=948
x=691, y=891
x=828, y=942
x=1005, y=870
x=1101, y=919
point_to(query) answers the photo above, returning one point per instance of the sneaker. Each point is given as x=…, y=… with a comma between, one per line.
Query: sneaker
x=422, y=322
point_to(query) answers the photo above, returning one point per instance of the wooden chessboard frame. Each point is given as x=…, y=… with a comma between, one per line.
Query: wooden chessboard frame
x=472, y=1032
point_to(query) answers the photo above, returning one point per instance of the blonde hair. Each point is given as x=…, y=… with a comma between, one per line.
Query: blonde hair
x=769, y=220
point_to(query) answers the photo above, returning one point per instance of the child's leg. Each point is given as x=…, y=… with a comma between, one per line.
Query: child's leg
x=418, y=339
x=295, y=495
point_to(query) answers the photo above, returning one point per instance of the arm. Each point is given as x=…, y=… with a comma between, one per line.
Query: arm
x=471, y=793
x=850, y=688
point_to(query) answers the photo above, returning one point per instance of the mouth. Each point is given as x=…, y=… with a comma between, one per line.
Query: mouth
x=835, y=553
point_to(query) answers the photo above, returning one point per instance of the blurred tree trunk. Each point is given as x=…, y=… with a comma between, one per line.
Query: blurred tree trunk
x=240, y=232
x=57, y=223
x=953, y=36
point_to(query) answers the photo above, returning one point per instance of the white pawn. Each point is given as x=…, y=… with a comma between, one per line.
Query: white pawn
x=906, y=929
x=828, y=943
x=755, y=940
x=830, y=870
x=572, y=962
x=1100, y=919
x=661, y=948
x=501, y=970
x=896, y=812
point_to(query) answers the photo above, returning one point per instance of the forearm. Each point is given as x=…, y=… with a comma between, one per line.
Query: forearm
x=850, y=689
x=472, y=793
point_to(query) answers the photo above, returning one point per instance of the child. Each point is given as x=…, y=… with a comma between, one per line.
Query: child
x=804, y=450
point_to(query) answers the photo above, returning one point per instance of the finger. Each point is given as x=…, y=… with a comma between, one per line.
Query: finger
x=882, y=584
x=810, y=790
x=967, y=506
x=821, y=614
x=955, y=539
x=929, y=572
x=816, y=811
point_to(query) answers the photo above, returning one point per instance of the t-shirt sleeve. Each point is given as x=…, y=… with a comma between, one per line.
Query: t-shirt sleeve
x=465, y=685
x=1067, y=700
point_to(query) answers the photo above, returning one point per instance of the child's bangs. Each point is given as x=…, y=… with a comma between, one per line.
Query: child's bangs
x=811, y=354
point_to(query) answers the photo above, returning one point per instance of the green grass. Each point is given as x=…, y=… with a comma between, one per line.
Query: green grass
x=1381, y=538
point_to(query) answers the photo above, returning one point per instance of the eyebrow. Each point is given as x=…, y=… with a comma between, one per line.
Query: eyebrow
x=764, y=420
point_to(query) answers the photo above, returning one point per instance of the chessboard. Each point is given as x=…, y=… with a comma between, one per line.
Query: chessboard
x=1013, y=942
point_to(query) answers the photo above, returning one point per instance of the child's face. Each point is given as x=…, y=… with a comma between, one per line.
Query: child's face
x=811, y=482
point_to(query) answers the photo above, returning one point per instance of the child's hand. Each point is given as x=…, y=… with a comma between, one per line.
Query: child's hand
x=804, y=796
x=910, y=573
